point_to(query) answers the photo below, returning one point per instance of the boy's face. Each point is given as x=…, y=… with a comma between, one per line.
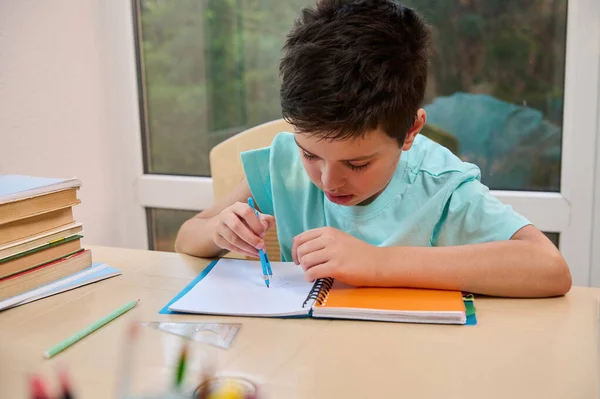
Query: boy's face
x=356, y=171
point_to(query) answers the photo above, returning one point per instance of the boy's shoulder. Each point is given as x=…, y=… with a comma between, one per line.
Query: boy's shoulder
x=281, y=153
x=284, y=140
x=434, y=161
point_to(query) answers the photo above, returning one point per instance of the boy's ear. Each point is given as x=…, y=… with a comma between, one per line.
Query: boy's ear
x=420, y=121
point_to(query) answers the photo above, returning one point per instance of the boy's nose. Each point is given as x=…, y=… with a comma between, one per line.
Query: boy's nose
x=331, y=180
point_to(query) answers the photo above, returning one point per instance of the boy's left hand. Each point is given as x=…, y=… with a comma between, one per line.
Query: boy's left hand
x=329, y=252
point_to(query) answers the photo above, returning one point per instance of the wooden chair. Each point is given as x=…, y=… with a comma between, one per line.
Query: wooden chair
x=227, y=171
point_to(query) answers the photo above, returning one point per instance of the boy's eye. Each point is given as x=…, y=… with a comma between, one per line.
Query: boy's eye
x=358, y=167
x=312, y=157
x=308, y=155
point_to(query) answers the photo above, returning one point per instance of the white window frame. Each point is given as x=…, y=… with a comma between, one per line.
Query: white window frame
x=582, y=93
x=570, y=212
x=595, y=234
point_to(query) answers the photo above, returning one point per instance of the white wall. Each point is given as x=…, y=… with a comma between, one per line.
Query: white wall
x=68, y=105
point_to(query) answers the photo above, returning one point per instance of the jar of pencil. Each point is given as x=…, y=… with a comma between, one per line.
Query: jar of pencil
x=156, y=365
x=214, y=387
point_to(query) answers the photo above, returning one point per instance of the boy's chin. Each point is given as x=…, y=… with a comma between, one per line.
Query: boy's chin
x=351, y=200
x=367, y=201
x=356, y=201
x=345, y=200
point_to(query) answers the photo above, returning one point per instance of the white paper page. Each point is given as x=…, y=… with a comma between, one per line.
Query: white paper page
x=96, y=272
x=236, y=287
x=14, y=187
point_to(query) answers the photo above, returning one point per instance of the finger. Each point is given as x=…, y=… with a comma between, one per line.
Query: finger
x=232, y=248
x=314, y=259
x=242, y=231
x=223, y=243
x=250, y=254
x=226, y=245
x=267, y=221
x=309, y=247
x=234, y=240
x=320, y=271
x=246, y=253
x=247, y=214
x=301, y=239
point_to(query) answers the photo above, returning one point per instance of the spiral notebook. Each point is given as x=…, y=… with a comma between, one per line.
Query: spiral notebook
x=232, y=287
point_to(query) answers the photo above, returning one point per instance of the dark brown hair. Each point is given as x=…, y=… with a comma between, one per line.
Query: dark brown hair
x=352, y=66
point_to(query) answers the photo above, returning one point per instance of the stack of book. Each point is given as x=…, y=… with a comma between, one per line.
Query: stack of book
x=40, y=241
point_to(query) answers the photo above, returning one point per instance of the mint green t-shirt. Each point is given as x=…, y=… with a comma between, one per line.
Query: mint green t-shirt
x=433, y=199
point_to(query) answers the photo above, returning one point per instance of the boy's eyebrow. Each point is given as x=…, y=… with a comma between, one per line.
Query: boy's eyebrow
x=361, y=158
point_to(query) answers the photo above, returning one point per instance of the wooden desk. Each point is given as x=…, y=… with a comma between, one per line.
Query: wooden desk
x=520, y=348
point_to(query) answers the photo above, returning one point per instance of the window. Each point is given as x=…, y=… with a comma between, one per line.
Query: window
x=513, y=88
x=164, y=225
x=496, y=86
x=209, y=72
x=495, y=90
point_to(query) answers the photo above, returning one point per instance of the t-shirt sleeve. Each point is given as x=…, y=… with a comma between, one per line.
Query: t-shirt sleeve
x=472, y=215
x=257, y=169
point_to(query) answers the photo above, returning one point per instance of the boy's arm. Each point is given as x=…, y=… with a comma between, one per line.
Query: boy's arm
x=481, y=245
x=527, y=265
x=195, y=237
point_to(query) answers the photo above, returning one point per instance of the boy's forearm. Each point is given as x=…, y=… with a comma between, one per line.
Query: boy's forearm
x=506, y=268
x=195, y=238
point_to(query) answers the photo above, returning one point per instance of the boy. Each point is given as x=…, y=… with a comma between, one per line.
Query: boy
x=357, y=194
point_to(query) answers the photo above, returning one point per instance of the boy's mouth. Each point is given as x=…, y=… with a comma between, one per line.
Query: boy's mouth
x=339, y=199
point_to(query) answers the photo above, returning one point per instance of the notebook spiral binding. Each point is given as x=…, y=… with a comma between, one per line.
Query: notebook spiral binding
x=319, y=291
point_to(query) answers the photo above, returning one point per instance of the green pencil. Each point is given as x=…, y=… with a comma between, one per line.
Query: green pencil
x=88, y=330
x=181, y=367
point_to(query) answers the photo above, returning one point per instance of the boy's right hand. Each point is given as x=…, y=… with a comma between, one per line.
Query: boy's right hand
x=238, y=229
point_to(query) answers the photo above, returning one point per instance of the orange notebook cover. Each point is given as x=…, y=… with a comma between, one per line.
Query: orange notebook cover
x=338, y=300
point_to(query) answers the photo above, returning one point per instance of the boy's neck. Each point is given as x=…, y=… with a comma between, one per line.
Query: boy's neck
x=373, y=197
